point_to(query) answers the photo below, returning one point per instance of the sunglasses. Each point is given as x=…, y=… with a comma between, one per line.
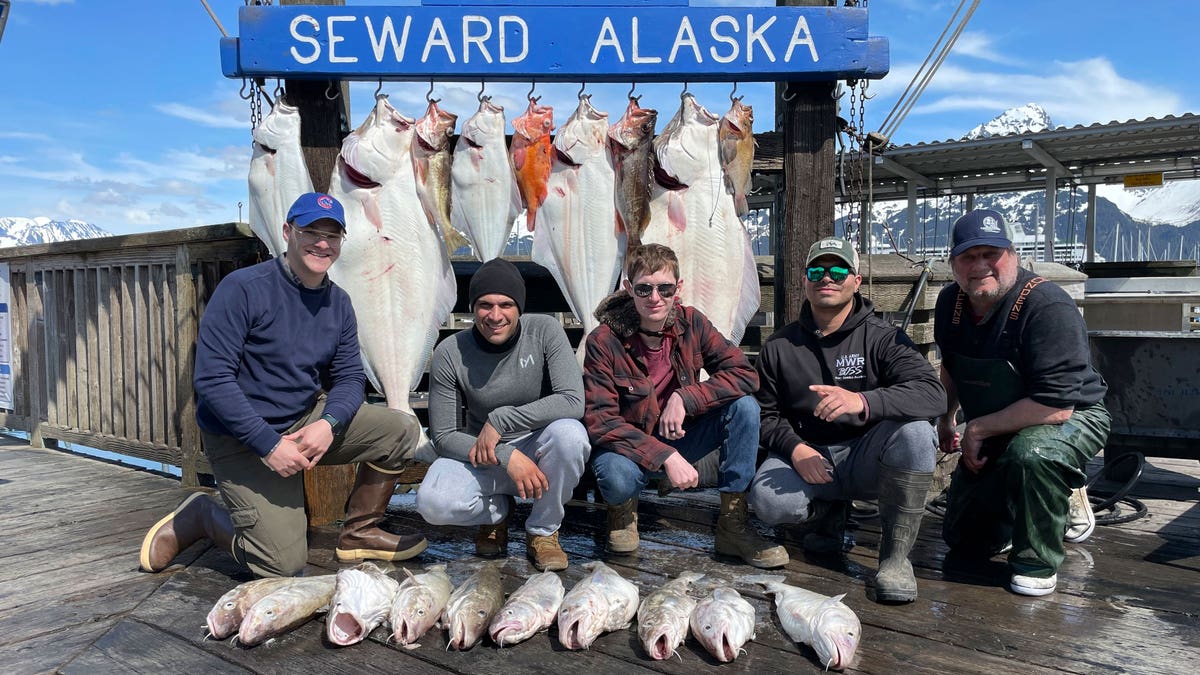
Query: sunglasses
x=836, y=274
x=644, y=290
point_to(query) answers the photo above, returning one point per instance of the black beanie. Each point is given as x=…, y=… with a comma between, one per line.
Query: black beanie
x=498, y=276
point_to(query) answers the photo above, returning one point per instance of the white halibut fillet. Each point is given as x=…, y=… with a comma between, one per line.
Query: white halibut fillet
x=393, y=263
x=695, y=216
x=484, y=199
x=278, y=174
x=576, y=235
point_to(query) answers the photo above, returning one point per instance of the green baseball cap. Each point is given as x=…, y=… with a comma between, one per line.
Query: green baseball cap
x=839, y=248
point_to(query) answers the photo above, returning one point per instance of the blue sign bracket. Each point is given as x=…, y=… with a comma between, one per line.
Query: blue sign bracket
x=588, y=40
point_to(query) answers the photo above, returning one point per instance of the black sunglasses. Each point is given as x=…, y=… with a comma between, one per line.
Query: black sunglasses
x=836, y=273
x=644, y=290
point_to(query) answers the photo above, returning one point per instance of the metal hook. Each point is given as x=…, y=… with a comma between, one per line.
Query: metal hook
x=242, y=92
x=685, y=93
x=279, y=88
x=581, y=95
x=632, y=87
x=530, y=96
x=787, y=89
x=336, y=92
x=480, y=97
x=379, y=88
x=429, y=94
x=732, y=98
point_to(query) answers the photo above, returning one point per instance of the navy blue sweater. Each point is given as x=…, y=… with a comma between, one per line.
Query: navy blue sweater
x=267, y=348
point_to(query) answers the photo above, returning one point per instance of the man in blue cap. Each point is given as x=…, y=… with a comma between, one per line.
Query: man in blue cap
x=279, y=389
x=1015, y=357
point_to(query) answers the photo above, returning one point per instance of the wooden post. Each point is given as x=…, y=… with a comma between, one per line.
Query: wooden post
x=806, y=114
x=33, y=360
x=323, y=125
x=187, y=325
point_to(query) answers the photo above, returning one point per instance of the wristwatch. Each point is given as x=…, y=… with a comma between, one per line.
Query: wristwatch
x=333, y=421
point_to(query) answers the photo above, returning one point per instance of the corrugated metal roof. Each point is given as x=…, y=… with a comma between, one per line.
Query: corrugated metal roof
x=1097, y=153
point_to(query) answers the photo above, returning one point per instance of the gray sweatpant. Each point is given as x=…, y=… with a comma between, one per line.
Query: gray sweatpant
x=271, y=530
x=456, y=493
x=779, y=495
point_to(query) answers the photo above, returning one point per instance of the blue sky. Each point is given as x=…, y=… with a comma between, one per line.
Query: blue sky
x=115, y=111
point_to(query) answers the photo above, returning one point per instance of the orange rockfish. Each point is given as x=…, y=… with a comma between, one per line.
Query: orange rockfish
x=531, y=150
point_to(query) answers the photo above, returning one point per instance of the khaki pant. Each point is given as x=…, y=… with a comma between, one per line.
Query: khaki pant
x=268, y=509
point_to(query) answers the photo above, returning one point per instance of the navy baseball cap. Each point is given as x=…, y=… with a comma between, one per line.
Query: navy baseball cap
x=981, y=227
x=314, y=206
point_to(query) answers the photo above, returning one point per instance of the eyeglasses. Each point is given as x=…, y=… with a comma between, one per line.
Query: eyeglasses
x=310, y=237
x=644, y=290
x=836, y=274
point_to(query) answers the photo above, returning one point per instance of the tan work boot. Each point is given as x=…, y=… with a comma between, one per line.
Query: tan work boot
x=545, y=553
x=622, y=526
x=736, y=537
x=361, y=537
x=491, y=541
x=197, y=517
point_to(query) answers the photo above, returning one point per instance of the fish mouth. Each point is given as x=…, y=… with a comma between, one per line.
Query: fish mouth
x=403, y=631
x=835, y=659
x=507, y=633
x=354, y=176
x=661, y=650
x=572, y=638
x=728, y=653
x=460, y=638
x=344, y=629
x=265, y=148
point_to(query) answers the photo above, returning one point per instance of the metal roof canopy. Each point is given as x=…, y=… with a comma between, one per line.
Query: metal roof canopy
x=1044, y=160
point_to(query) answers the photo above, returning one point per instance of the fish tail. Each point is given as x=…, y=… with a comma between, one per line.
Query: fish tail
x=454, y=239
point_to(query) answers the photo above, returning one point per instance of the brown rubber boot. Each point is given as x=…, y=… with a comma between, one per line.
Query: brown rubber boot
x=545, y=552
x=361, y=537
x=491, y=541
x=737, y=538
x=623, y=526
x=197, y=517
x=902, y=496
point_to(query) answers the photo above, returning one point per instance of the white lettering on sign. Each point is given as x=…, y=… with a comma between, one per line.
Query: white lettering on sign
x=334, y=38
x=637, y=58
x=733, y=44
x=388, y=32
x=607, y=38
x=686, y=37
x=437, y=38
x=477, y=40
x=801, y=28
x=504, y=55
x=308, y=39
x=753, y=36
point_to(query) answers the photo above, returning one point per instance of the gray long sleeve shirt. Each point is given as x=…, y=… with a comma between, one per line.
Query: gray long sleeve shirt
x=524, y=388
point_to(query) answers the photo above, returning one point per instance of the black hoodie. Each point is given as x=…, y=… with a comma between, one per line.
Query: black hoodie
x=866, y=355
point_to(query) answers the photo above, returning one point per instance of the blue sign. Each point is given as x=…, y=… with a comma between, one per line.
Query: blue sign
x=585, y=41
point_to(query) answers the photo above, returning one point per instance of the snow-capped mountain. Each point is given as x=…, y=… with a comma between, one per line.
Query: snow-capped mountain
x=1028, y=118
x=41, y=230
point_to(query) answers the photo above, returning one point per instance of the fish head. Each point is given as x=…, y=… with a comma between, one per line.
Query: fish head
x=635, y=127
x=361, y=599
x=739, y=121
x=468, y=624
x=414, y=612
x=487, y=122
x=227, y=614
x=661, y=634
x=718, y=624
x=581, y=619
x=582, y=134
x=514, y=623
x=378, y=147
x=264, y=620
x=536, y=122
x=835, y=631
x=690, y=110
x=435, y=128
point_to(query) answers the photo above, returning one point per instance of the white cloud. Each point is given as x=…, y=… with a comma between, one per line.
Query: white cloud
x=218, y=120
x=980, y=46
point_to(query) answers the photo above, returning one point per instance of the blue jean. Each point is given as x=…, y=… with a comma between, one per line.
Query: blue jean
x=732, y=429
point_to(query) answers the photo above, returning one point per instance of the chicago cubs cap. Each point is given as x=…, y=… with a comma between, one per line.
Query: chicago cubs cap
x=313, y=206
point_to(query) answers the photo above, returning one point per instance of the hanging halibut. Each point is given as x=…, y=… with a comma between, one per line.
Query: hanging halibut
x=278, y=174
x=737, y=152
x=691, y=212
x=431, y=163
x=484, y=200
x=632, y=144
x=393, y=263
x=577, y=237
x=531, y=150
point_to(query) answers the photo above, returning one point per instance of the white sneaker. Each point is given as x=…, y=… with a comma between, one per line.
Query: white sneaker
x=1081, y=521
x=1023, y=585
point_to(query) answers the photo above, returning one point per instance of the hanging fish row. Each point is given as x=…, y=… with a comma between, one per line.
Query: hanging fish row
x=360, y=599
